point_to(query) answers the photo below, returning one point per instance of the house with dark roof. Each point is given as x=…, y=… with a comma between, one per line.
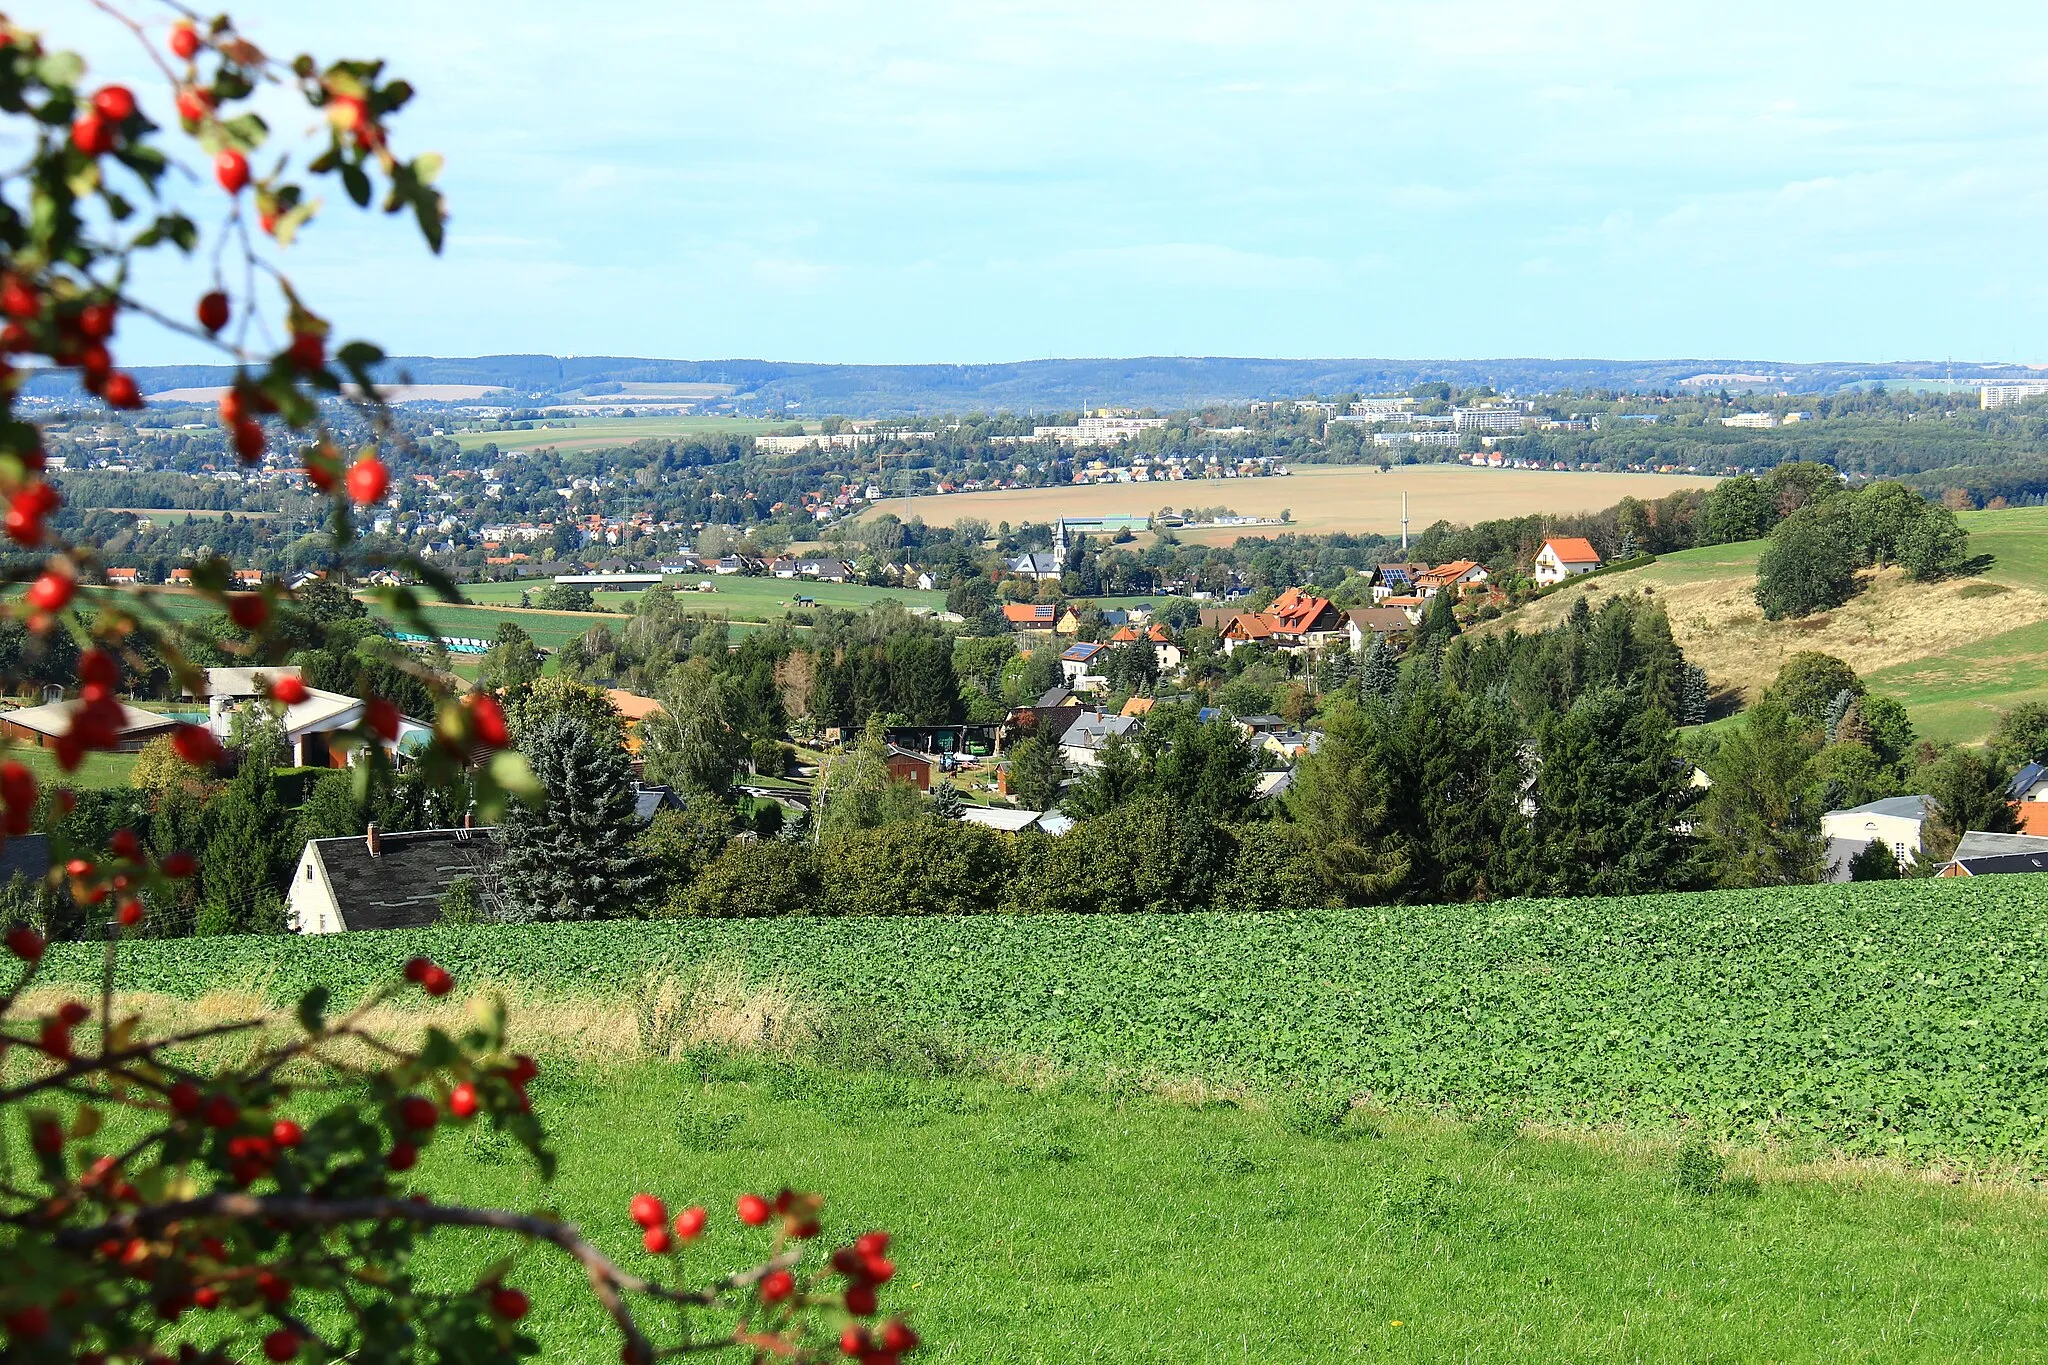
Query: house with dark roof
x=1895, y=821
x=1981, y=854
x=1082, y=666
x=383, y=881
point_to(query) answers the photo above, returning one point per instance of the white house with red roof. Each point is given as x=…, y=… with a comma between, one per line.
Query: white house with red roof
x=1564, y=557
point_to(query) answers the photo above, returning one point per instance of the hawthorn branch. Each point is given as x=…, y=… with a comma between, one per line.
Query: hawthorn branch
x=108, y=1061
x=607, y=1280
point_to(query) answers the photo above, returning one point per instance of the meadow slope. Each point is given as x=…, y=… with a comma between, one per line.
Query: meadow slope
x=1958, y=653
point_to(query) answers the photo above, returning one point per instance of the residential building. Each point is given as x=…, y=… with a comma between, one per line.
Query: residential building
x=1164, y=650
x=1455, y=577
x=43, y=725
x=1081, y=743
x=1082, y=666
x=2005, y=393
x=1031, y=615
x=1364, y=624
x=1750, y=419
x=1895, y=822
x=1492, y=417
x=1564, y=557
x=383, y=881
x=1016, y=821
x=1100, y=429
x=2028, y=793
x=1980, y=854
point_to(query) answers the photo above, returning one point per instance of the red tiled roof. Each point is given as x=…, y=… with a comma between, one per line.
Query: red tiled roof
x=1028, y=613
x=1573, y=550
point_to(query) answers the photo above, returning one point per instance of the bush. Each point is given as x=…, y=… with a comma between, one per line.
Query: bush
x=754, y=879
x=926, y=866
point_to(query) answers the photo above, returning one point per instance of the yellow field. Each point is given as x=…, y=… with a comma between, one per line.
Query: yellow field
x=1322, y=498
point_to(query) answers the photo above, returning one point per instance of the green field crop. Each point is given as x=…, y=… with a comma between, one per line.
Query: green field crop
x=1899, y=1019
x=590, y=433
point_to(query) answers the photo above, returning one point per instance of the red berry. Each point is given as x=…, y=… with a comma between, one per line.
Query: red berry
x=285, y=1133
x=52, y=591
x=19, y=299
x=130, y=914
x=91, y=134
x=213, y=311
x=860, y=1299
x=122, y=392
x=194, y=105
x=184, y=40
x=73, y=1013
x=897, y=1336
x=231, y=168
x=777, y=1285
x=647, y=1211
x=690, y=1223
x=249, y=610
x=46, y=1137
x=222, y=1112
x=437, y=981
x=196, y=745
x=462, y=1101
x=403, y=1156
x=753, y=1210
x=115, y=103
x=416, y=969
x=96, y=320
x=418, y=1112
x=308, y=350
x=524, y=1069
x=248, y=439
x=98, y=666
x=29, y=1321
x=123, y=843
x=382, y=717
x=367, y=480
x=281, y=1345
x=180, y=864
x=656, y=1240
x=871, y=1244
x=206, y=1297
x=273, y=1287
x=185, y=1099
x=25, y=943
x=509, y=1304
x=854, y=1340
x=487, y=720
x=881, y=1269
x=290, y=691
x=235, y=407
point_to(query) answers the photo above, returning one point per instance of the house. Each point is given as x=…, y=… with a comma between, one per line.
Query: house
x=926, y=583
x=1038, y=568
x=1017, y=821
x=1069, y=622
x=1980, y=854
x=1564, y=557
x=1395, y=580
x=1081, y=666
x=1365, y=624
x=382, y=881
x=1164, y=650
x=905, y=766
x=44, y=725
x=1296, y=622
x=647, y=800
x=307, y=724
x=1454, y=578
x=1411, y=607
x=1895, y=821
x=1030, y=615
x=1081, y=744
x=124, y=577
x=633, y=709
x=181, y=578
x=824, y=570
x=783, y=566
x=728, y=564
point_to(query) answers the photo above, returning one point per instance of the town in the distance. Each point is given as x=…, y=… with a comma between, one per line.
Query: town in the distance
x=767, y=636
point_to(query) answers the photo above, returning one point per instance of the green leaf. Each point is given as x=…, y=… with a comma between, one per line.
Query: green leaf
x=510, y=770
x=356, y=183
x=313, y=1009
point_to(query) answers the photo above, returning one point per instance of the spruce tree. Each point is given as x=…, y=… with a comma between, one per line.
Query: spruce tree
x=1612, y=800
x=572, y=855
x=1380, y=674
x=1874, y=862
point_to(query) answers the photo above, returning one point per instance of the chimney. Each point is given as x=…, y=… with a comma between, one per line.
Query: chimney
x=372, y=841
x=469, y=819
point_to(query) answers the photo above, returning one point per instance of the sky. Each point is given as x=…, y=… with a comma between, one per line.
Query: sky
x=987, y=180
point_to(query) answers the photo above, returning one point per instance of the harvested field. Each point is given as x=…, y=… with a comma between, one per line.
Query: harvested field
x=1322, y=498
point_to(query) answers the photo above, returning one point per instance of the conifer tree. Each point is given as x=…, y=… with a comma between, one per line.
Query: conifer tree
x=1611, y=796
x=572, y=855
x=1380, y=674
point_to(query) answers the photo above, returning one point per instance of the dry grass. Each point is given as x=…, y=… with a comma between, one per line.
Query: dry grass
x=1719, y=626
x=1323, y=498
x=665, y=1014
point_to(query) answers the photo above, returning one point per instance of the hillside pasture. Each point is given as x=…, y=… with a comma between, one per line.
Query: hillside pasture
x=734, y=596
x=1957, y=653
x=1357, y=499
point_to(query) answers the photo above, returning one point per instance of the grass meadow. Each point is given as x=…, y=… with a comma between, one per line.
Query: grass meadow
x=597, y=433
x=1957, y=653
x=1042, y=1219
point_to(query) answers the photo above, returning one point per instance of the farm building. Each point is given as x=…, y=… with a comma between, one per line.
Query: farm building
x=42, y=725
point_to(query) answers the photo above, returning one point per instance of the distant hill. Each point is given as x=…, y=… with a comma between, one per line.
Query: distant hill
x=1166, y=382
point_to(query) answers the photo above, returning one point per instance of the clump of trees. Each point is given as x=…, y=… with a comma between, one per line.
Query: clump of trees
x=1817, y=550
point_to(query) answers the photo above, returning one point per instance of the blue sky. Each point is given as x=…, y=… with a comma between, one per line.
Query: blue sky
x=988, y=180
